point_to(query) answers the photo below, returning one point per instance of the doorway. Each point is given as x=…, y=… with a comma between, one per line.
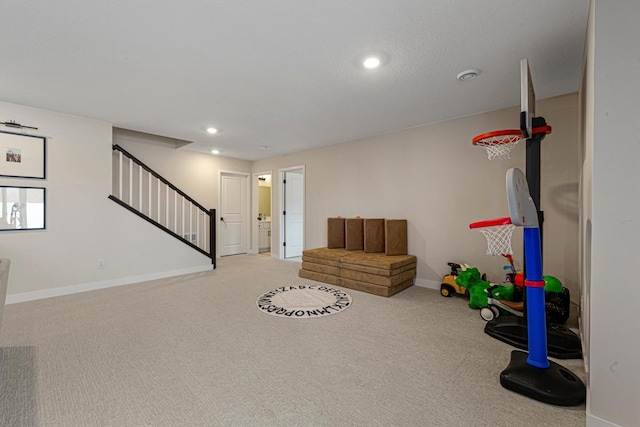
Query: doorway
x=234, y=202
x=292, y=212
x=262, y=212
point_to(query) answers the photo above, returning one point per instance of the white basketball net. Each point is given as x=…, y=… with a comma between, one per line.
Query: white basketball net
x=499, y=147
x=498, y=239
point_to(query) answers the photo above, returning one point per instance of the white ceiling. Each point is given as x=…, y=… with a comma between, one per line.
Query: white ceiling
x=283, y=73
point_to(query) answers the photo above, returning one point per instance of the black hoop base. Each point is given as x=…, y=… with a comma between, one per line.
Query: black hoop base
x=555, y=385
x=562, y=342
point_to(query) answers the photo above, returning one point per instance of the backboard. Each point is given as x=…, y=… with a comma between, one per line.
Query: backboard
x=522, y=209
x=527, y=100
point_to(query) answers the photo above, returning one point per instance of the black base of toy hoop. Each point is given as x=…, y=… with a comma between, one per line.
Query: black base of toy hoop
x=555, y=385
x=562, y=342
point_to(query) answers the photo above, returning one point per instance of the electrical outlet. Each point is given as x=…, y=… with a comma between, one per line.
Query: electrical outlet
x=100, y=263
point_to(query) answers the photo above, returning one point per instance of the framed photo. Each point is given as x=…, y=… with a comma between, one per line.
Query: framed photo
x=22, y=208
x=22, y=156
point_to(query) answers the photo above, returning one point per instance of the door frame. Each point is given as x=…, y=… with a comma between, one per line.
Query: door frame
x=255, y=237
x=281, y=195
x=247, y=229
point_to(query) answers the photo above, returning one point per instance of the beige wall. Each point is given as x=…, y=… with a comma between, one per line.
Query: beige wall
x=610, y=204
x=439, y=182
x=586, y=189
x=430, y=175
x=83, y=225
x=197, y=174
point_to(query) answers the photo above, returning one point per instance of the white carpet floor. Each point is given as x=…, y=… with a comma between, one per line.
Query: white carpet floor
x=196, y=351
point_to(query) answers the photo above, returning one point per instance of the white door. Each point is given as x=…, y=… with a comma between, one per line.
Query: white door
x=233, y=214
x=293, y=212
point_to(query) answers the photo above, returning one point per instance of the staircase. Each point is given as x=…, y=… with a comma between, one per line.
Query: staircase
x=144, y=192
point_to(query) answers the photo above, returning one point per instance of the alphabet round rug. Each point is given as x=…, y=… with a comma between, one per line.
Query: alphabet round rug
x=303, y=301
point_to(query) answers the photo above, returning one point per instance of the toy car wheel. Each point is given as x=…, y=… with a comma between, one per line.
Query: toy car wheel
x=446, y=290
x=487, y=314
x=466, y=293
x=494, y=309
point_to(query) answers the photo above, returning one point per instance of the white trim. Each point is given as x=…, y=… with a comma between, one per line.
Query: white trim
x=593, y=421
x=92, y=286
x=255, y=238
x=247, y=225
x=425, y=283
x=281, y=205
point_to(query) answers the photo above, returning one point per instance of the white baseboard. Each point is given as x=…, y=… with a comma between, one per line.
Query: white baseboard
x=599, y=422
x=425, y=283
x=84, y=287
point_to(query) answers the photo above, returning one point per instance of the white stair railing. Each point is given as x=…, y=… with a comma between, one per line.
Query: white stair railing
x=147, y=194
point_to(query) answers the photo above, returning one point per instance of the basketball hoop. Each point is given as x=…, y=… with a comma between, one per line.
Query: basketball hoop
x=499, y=143
x=498, y=233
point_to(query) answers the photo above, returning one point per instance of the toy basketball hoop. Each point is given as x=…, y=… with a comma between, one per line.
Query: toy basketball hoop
x=499, y=143
x=498, y=234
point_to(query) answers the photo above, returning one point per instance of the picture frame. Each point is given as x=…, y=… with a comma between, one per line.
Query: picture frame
x=23, y=208
x=22, y=155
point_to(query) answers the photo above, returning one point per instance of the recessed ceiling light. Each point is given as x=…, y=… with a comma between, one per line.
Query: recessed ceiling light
x=371, y=62
x=212, y=130
x=468, y=75
x=264, y=147
x=215, y=151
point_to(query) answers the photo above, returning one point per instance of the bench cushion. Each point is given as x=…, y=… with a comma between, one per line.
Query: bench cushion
x=374, y=235
x=378, y=280
x=384, y=291
x=396, y=237
x=354, y=234
x=378, y=271
x=321, y=261
x=377, y=260
x=335, y=233
x=325, y=253
x=320, y=277
x=321, y=268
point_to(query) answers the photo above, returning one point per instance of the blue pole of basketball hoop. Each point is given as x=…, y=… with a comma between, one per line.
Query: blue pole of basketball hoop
x=524, y=213
x=534, y=283
x=532, y=374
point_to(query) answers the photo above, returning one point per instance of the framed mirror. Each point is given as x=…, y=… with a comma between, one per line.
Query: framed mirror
x=22, y=208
